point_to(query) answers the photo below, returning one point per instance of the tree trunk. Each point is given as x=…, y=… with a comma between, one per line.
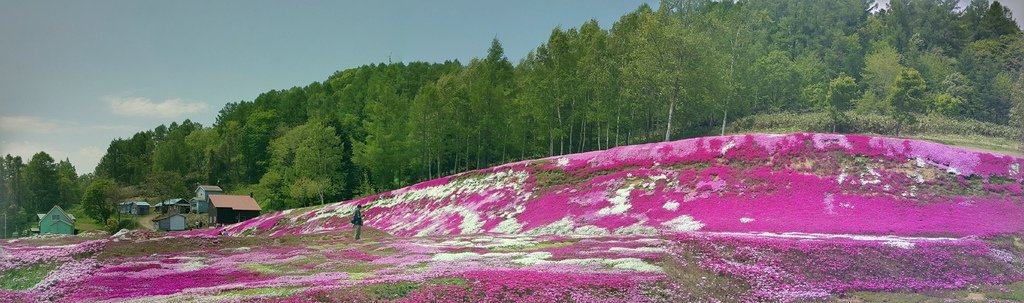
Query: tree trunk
x=668, y=126
x=724, y=117
x=617, y=128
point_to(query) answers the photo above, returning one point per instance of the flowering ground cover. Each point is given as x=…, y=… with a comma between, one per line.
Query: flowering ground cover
x=752, y=218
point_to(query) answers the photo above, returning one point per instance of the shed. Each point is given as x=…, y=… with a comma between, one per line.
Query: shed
x=56, y=221
x=171, y=222
x=201, y=202
x=173, y=205
x=140, y=208
x=227, y=209
x=124, y=207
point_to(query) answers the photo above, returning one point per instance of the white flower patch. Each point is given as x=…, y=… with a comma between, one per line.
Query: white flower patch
x=470, y=224
x=671, y=205
x=508, y=226
x=620, y=202
x=563, y=161
x=683, y=223
x=842, y=176
x=1003, y=255
x=845, y=205
x=912, y=192
x=916, y=176
x=899, y=244
x=448, y=257
x=633, y=264
x=534, y=258
x=746, y=220
x=920, y=162
x=590, y=230
x=636, y=229
x=496, y=180
x=1014, y=169
x=829, y=202
x=561, y=227
x=728, y=146
x=193, y=264
x=871, y=172
x=637, y=249
x=507, y=255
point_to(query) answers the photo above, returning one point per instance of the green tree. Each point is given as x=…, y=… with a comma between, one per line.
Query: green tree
x=308, y=157
x=68, y=184
x=841, y=91
x=1017, y=111
x=42, y=182
x=997, y=21
x=100, y=199
x=906, y=97
x=881, y=67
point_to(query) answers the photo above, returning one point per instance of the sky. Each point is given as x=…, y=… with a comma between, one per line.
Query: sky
x=75, y=75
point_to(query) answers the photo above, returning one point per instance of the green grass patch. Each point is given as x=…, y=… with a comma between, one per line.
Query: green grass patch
x=1014, y=292
x=390, y=291
x=25, y=277
x=262, y=291
x=271, y=269
x=894, y=297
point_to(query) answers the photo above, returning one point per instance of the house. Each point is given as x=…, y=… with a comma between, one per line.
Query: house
x=227, y=209
x=170, y=222
x=173, y=205
x=56, y=221
x=124, y=207
x=139, y=208
x=201, y=202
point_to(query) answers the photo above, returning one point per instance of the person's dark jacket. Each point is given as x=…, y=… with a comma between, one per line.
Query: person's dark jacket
x=357, y=217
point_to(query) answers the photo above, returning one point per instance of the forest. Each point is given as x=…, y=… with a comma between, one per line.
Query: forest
x=683, y=69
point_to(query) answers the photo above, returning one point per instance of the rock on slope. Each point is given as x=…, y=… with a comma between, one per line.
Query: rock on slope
x=813, y=183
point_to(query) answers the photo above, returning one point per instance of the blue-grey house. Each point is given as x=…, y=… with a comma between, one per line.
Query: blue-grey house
x=201, y=202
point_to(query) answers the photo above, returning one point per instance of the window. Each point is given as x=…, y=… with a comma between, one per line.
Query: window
x=56, y=217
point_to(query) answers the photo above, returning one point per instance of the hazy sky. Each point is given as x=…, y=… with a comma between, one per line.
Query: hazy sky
x=74, y=75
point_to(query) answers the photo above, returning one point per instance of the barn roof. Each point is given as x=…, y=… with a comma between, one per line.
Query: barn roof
x=60, y=209
x=210, y=188
x=234, y=202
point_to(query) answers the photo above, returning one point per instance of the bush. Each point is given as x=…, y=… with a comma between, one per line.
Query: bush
x=115, y=225
x=870, y=123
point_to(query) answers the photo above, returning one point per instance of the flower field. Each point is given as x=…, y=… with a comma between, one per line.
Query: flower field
x=753, y=218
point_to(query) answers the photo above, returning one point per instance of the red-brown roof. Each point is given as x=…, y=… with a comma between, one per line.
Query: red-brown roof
x=234, y=202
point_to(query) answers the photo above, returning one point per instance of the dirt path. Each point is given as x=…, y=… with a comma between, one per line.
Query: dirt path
x=145, y=221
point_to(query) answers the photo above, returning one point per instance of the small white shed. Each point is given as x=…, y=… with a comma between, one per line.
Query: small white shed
x=170, y=222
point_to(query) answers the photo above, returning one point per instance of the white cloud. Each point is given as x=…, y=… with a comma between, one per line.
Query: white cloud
x=145, y=107
x=26, y=125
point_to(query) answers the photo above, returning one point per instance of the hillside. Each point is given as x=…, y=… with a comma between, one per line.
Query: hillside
x=751, y=218
x=814, y=183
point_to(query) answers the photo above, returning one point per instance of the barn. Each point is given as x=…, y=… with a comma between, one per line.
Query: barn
x=228, y=209
x=170, y=222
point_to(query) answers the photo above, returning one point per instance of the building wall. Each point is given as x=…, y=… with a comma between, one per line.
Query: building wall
x=173, y=223
x=176, y=223
x=48, y=226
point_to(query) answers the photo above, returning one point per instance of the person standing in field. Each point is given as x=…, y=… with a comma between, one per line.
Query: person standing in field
x=357, y=220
